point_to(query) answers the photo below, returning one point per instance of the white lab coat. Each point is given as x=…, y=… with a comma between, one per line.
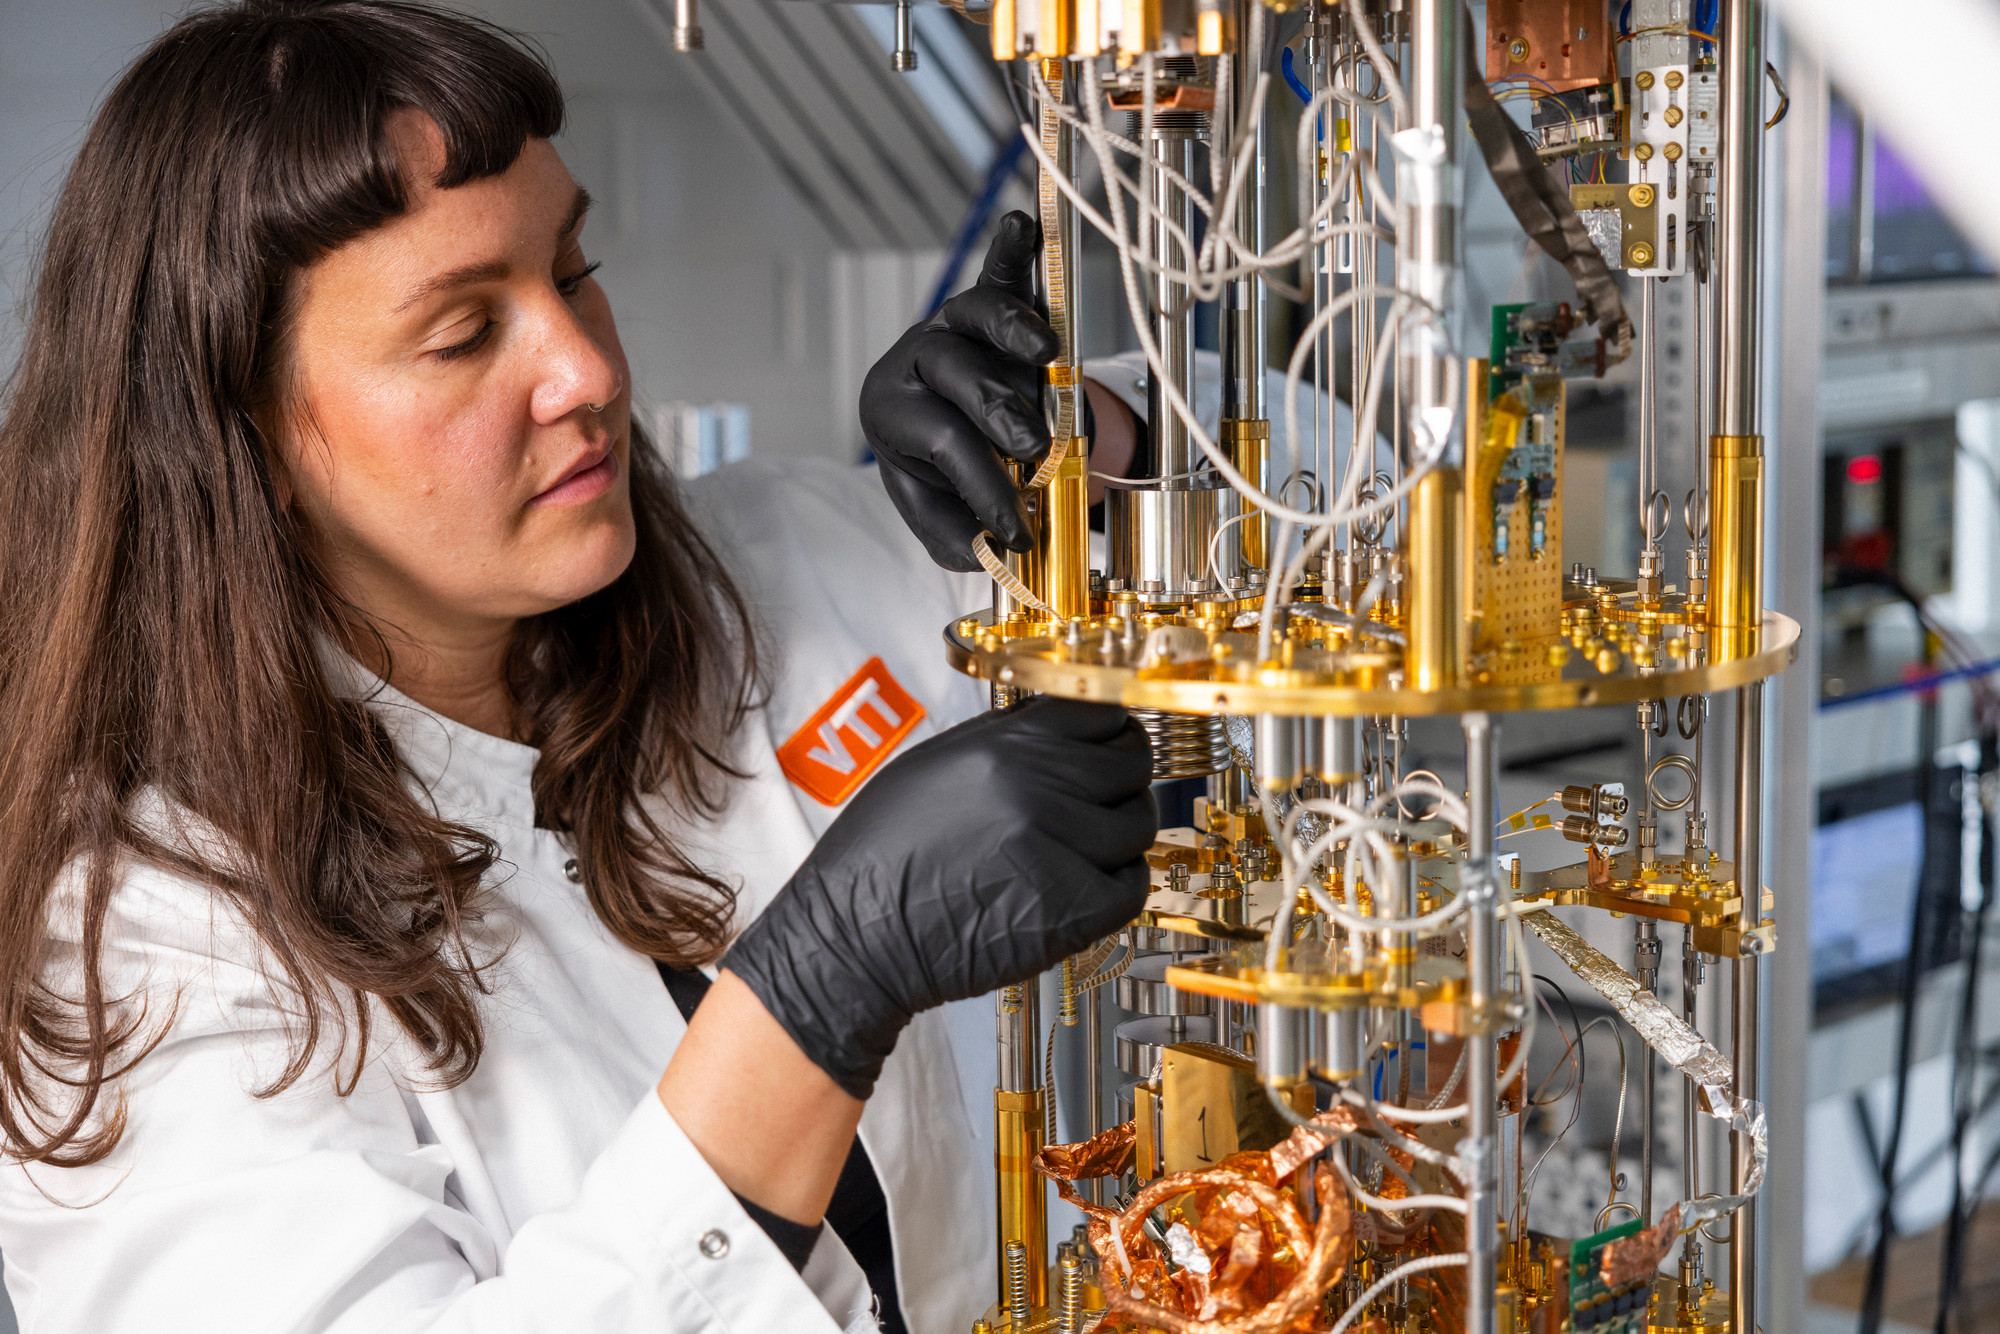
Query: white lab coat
x=550, y=1191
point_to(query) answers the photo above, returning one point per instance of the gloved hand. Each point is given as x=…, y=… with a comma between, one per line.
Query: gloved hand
x=954, y=389
x=975, y=861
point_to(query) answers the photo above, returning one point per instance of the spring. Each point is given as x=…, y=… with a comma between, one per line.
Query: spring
x=1010, y=1000
x=1068, y=1011
x=1017, y=1284
x=1070, y=1314
x=1185, y=745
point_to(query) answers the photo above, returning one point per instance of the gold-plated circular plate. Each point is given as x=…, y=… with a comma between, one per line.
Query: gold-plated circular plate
x=1227, y=978
x=1098, y=668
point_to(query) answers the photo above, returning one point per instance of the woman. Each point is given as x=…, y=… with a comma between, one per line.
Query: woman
x=378, y=732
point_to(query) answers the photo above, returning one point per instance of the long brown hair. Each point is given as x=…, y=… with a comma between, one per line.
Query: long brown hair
x=163, y=616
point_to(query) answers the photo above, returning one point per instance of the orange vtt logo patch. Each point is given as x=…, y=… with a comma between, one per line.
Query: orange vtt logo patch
x=851, y=735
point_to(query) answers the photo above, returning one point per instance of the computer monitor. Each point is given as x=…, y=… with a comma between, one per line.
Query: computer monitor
x=1871, y=860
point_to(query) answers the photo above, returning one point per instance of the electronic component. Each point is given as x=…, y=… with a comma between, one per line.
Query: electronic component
x=1600, y=1309
x=1323, y=1058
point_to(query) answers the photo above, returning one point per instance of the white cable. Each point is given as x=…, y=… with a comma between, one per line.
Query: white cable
x=1393, y=1206
x=1422, y=1116
x=1381, y=1285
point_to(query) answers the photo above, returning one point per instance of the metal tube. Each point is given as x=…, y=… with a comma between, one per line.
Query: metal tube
x=1651, y=559
x=1646, y=958
x=1427, y=173
x=1436, y=659
x=1093, y=1076
x=687, y=26
x=1744, y=1012
x=1691, y=975
x=905, y=56
x=1060, y=564
x=1739, y=267
x=1480, y=1149
x=1019, y=1132
x=1736, y=450
x=1246, y=426
x=1648, y=406
x=1173, y=450
x=1427, y=168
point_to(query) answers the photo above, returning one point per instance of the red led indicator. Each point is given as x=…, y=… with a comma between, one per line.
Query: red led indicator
x=1864, y=469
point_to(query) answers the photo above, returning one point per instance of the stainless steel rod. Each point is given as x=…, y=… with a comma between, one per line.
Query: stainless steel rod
x=1480, y=1148
x=1427, y=191
x=1093, y=1075
x=1738, y=412
x=905, y=56
x=1173, y=448
x=687, y=26
x=1744, y=1010
x=1649, y=449
x=1739, y=267
x=1691, y=974
x=1243, y=321
x=1019, y=1033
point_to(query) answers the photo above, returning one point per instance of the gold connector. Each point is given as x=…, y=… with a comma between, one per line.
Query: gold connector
x=1248, y=443
x=1736, y=541
x=1053, y=33
x=1139, y=31
x=1208, y=33
x=1003, y=24
x=1060, y=562
x=1436, y=657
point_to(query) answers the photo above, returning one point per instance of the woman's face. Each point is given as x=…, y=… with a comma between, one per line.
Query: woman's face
x=457, y=428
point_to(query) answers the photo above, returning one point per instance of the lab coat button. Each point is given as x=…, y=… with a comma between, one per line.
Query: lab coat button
x=715, y=1243
x=575, y=874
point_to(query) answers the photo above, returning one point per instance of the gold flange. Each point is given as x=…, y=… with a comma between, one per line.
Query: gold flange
x=1706, y=900
x=1227, y=978
x=1342, y=685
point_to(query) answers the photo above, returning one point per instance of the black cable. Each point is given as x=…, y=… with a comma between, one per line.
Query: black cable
x=1885, y=1221
x=1576, y=1027
x=1964, y=1068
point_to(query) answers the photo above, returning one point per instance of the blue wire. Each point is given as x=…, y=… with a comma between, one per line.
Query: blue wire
x=1625, y=20
x=1292, y=78
x=1414, y=1046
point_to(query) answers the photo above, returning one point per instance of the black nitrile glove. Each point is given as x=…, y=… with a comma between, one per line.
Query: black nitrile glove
x=956, y=388
x=975, y=861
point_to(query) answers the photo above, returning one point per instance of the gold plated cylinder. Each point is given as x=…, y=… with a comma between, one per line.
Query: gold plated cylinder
x=1062, y=538
x=1735, y=541
x=1003, y=22
x=1054, y=34
x=1436, y=658
x=1019, y=1134
x=1248, y=441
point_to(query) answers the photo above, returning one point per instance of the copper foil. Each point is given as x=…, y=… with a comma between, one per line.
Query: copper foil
x=1639, y=1254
